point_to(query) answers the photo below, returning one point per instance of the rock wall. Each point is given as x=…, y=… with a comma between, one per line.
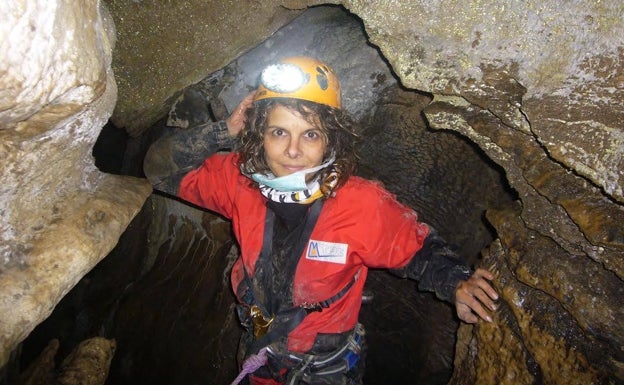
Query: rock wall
x=167, y=46
x=60, y=215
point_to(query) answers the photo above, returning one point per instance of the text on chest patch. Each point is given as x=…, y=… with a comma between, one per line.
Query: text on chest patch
x=327, y=251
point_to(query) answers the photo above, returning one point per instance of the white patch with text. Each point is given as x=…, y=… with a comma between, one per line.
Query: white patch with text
x=327, y=251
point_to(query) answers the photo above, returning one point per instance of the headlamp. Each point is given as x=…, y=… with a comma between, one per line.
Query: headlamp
x=302, y=78
x=283, y=78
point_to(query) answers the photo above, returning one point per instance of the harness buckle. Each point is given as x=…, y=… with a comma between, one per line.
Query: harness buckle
x=260, y=322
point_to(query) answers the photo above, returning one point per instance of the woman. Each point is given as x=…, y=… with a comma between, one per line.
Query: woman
x=308, y=229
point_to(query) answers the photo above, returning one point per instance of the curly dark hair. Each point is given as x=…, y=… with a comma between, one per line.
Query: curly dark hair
x=337, y=126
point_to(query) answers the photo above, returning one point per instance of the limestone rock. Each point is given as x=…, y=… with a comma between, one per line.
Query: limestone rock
x=547, y=246
x=60, y=215
x=41, y=370
x=180, y=311
x=165, y=47
x=88, y=363
x=51, y=68
x=568, y=58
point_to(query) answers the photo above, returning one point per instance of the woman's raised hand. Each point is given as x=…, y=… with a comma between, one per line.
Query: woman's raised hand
x=236, y=121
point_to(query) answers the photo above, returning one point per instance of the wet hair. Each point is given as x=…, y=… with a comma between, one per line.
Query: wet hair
x=337, y=126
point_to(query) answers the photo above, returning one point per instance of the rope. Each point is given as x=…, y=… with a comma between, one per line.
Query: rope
x=251, y=364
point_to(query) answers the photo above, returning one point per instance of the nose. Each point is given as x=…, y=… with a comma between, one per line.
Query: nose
x=293, y=150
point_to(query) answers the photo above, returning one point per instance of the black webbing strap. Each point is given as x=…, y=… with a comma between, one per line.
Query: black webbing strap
x=285, y=321
x=319, y=306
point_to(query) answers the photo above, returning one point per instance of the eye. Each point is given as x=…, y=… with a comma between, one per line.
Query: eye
x=313, y=134
x=278, y=132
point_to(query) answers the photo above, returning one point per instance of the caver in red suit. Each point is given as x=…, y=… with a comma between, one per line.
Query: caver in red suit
x=361, y=226
x=305, y=251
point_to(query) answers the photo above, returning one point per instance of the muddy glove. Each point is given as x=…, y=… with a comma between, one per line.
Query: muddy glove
x=436, y=267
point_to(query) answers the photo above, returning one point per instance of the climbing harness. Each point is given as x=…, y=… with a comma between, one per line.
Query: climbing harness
x=261, y=323
x=268, y=329
x=307, y=366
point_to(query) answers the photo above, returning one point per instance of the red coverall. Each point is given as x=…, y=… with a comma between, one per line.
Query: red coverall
x=362, y=226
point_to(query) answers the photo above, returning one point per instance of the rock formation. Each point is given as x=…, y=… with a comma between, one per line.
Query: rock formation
x=60, y=215
x=536, y=87
x=173, y=45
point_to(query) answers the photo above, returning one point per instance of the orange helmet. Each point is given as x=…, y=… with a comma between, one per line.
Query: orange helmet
x=300, y=78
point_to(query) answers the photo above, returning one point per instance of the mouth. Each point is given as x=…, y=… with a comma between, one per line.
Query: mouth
x=293, y=168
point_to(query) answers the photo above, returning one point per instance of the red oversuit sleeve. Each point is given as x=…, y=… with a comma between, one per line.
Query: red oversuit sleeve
x=213, y=184
x=389, y=232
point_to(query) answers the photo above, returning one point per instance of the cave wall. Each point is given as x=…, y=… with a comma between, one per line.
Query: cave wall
x=537, y=85
x=167, y=46
x=59, y=215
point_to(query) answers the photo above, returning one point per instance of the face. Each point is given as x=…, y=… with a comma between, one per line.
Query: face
x=291, y=143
